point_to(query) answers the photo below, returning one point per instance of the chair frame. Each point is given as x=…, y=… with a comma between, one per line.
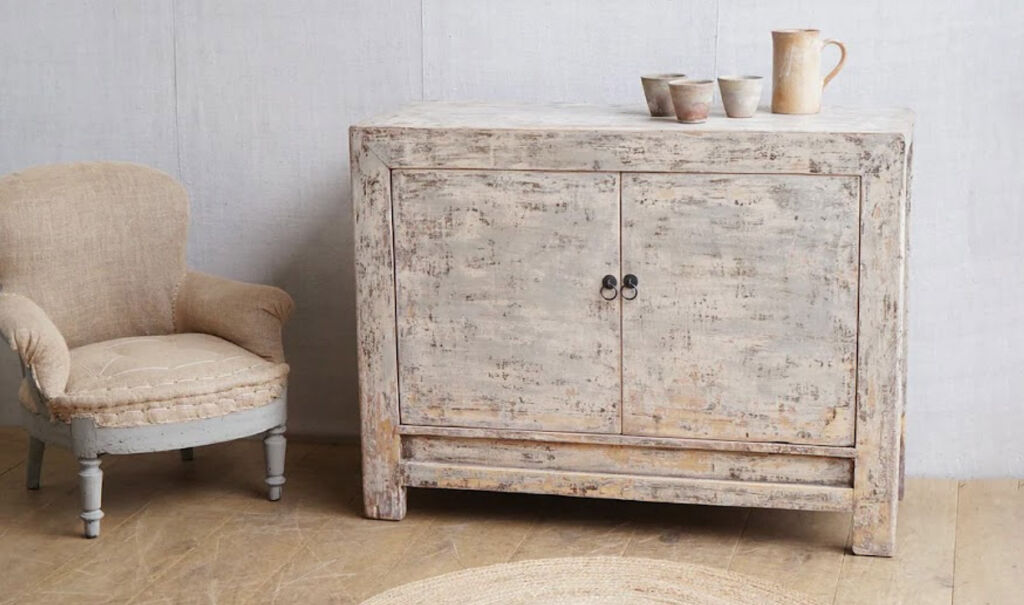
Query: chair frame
x=88, y=442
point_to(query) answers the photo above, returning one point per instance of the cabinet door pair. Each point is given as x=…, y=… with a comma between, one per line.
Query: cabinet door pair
x=744, y=326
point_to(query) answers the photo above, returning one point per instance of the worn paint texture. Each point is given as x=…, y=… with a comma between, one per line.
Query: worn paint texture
x=761, y=364
x=499, y=320
x=745, y=325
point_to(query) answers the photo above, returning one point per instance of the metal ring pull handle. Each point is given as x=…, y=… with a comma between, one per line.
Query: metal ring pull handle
x=608, y=282
x=629, y=284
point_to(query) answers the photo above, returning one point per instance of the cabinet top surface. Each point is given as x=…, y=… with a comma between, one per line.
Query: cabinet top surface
x=512, y=116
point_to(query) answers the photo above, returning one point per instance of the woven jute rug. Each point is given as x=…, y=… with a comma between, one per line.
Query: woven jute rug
x=591, y=580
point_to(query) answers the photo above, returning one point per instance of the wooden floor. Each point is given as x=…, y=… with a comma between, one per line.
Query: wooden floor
x=201, y=532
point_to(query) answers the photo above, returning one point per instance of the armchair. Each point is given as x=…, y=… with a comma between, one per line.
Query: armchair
x=122, y=348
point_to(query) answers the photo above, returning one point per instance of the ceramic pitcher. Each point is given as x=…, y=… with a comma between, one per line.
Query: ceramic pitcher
x=796, y=70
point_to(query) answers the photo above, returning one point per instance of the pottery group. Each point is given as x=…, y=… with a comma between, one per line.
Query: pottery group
x=797, y=83
x=689, y=99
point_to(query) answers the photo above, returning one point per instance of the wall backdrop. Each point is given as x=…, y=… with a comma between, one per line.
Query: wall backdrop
x=248, y=102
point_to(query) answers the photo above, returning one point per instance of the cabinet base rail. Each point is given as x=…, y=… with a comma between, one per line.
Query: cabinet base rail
x=628, y=487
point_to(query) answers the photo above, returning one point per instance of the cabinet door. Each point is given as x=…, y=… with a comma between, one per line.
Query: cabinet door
x=745, y=323
x=501, y=322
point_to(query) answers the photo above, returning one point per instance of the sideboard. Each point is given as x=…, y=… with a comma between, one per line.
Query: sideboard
x=582, y=300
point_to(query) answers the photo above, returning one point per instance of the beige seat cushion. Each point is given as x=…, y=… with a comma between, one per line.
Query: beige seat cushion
x=160, y=379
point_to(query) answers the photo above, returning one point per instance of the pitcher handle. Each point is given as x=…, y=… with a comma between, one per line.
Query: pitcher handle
x=842, y=59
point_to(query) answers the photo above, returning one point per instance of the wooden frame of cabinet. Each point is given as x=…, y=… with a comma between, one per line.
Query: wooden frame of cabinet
x=871, y=147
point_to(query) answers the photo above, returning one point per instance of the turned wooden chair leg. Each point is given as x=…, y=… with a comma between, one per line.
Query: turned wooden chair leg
x=34, y=464
x=274, y=448
x=187, y=454
x=90, y=486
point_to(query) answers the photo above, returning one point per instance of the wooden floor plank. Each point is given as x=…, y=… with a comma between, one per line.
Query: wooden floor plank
x=468, y=530
x=800, y=550
x=130, y=556
x=345, y=559
x=315, y=545
x=990, y=543
x=42, y=528
x=13, y=448
x=235, y=562
x=701, y=535
x=579, y=527
x=921, y=573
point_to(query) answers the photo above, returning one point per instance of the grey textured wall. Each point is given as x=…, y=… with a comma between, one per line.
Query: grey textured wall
x=248, y=103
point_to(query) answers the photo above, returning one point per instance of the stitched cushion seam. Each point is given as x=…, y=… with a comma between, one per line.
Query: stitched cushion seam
x=66, y=403
x=232, y=400
x=164, y=384
x=175, y=293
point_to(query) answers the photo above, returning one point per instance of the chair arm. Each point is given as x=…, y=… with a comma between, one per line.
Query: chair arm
x=249, y=315
x=38, y=342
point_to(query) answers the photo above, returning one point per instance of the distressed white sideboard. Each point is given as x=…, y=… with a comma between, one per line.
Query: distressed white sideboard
x=752, y=352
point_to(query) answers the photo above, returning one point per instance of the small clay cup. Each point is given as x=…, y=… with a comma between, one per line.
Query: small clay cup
x=692, y=99
x=659, y=101
x=740, y=94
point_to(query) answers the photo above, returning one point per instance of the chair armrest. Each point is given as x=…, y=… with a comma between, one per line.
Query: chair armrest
x=249, y=315
x=38, y=342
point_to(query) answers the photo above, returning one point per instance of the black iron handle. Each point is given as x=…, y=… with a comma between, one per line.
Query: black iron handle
x=629, y=284
x=608, y=282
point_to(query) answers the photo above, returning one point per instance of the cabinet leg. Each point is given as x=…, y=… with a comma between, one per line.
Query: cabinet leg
x=874, y=528
x=384, y=502
x=34, y=464
x=383, y=491
x=383, y=488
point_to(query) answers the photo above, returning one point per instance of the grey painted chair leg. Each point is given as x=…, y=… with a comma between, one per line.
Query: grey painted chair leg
x=187, y=454
x=34, y=464
x=274, y=447
x=90, y=486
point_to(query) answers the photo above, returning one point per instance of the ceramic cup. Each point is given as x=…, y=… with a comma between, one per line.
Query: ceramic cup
x=740, y=94
x=692, y=99
x=659, y=102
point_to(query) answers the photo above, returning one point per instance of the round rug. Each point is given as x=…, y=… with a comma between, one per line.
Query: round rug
x=591, y=580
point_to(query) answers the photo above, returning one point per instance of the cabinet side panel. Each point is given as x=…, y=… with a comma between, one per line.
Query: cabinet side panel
x=881, y=351
x=383, y=494
x=501, y=322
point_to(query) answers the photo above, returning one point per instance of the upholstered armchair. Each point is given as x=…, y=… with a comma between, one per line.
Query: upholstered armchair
x=122, y=348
